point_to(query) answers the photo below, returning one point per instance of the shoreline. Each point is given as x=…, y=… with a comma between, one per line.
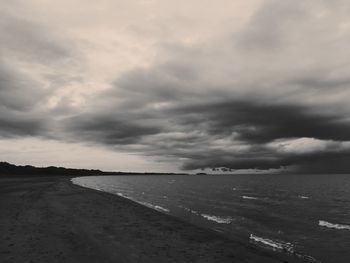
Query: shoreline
x=45, y=219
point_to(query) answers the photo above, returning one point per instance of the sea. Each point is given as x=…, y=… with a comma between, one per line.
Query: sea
x=304, y=216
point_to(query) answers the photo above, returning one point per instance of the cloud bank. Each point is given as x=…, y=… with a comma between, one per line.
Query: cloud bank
x=271, y=93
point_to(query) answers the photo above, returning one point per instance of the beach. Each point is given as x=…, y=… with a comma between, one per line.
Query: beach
x=48, y=219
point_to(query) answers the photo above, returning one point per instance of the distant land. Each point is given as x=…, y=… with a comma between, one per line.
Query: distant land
x=7, y=169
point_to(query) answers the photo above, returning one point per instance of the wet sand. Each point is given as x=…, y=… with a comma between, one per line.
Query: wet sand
x=48, y=219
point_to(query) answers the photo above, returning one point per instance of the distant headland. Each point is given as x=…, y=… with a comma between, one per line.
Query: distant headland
x=8, y=169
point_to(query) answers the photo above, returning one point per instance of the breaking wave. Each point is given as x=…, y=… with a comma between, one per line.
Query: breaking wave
x=303, y=197
x=279, y=245
x=160, y=208
x=334, y=226
x=218, y=219
x=282, y=246
x=155, y=207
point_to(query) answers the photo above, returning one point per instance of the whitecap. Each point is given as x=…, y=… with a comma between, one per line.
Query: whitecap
x=249, y=197
x=303, y=197
x=334, y=226
x=279, y=245
x=218, y=219
x=282, y=246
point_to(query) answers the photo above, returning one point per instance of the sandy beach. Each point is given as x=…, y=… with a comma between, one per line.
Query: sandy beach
x=48, y=219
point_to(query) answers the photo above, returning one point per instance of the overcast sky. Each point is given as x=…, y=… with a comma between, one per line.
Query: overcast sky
x=159, y=85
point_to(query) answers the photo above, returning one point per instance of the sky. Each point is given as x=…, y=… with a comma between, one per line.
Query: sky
x=186, y=85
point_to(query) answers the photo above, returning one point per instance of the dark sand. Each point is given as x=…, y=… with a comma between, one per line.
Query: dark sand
x=51, y=220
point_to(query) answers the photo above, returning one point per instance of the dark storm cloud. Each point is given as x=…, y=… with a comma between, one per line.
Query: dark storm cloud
x=108, y=129
x=16, y=124
x=272, y=95
x=212, y=113
x=26, y=47
x=327, y=164
x=17, y=91
x=183, y=124
x=259, y=124
x=168, y=82
x=264, y=122
x=19, y=95
x=263, y=158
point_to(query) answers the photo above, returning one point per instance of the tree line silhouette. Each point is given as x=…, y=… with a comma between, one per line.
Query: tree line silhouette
x=7, y=169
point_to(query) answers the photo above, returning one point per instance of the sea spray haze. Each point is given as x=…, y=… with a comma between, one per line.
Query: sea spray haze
x=305, y=216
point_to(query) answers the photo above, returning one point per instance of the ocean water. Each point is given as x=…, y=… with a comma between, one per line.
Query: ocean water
x=305, y=216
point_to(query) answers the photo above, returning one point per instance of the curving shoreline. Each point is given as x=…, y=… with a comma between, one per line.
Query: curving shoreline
x=46, y=219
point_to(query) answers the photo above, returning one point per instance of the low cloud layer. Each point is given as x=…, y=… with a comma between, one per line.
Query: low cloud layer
x=270, y=94
x=18, y=98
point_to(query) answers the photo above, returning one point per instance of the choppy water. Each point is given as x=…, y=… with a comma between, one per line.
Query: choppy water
x=306, y=216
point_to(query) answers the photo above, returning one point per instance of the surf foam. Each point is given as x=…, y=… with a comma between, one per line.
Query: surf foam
x=218, y=219
x=333, y=226
x=249, y=197
x=279, y=245
x=283, y=246
x=156, y=207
